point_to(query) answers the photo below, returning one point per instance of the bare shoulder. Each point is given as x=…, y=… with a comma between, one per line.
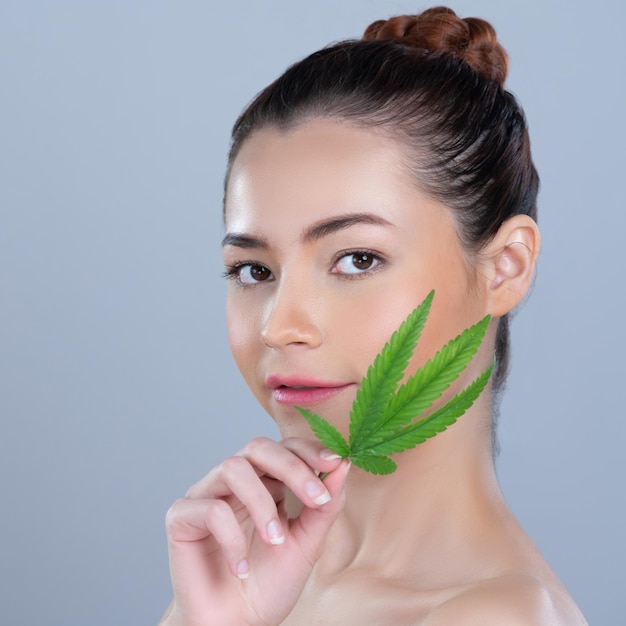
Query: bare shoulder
x=508, y=600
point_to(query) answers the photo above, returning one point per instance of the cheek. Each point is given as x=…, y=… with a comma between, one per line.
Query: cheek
x=368, y=325
x=363, y=327
x=243, y=335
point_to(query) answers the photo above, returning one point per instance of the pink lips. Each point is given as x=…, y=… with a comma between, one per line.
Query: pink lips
x=301, y=391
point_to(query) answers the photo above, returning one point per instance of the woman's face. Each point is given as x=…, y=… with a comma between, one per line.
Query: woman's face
x=329, y=245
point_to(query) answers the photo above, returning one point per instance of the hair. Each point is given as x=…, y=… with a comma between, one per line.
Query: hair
x=435, y=83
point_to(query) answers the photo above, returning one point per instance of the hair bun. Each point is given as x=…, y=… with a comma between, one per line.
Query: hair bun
x=440, y=29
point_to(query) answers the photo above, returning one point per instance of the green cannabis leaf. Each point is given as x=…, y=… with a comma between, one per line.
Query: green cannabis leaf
x=385, y=418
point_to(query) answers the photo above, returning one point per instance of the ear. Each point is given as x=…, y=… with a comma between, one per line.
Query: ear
x=511, y=257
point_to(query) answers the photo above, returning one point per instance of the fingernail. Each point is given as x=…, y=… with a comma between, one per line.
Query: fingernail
x=329, y=455
x=243, y=569
x=317, y=492
x=348, y=466
x=275, y=533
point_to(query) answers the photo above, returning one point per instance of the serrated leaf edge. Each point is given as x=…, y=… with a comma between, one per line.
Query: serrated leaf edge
x=438, y=421
x=383, y=376
x=326, y=432
x=399, y=411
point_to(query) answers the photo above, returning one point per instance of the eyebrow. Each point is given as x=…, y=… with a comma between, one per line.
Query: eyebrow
x=243, y=241
x=316, y=231
x=341, y=222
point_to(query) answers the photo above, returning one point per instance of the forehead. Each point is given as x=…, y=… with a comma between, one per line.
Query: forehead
x=313, y=171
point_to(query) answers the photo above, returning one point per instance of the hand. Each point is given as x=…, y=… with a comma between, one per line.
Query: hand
x=235, y=557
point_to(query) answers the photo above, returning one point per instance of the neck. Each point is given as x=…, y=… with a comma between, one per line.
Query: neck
x=440, y=496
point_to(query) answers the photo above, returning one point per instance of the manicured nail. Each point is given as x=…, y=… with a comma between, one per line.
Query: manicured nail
x=329, y=455
x=275, y=533
x=317, y=492
x=243, y=569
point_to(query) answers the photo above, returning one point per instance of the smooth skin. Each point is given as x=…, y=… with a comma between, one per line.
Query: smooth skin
x=329, y=245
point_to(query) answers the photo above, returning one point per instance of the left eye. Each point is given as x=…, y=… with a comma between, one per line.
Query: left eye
x=356, y=263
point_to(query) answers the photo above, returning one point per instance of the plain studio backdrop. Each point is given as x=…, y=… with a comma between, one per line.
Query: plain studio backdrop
x=117, y=387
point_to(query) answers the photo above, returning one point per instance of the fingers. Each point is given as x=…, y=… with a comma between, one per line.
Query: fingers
x=312, y=453
x=311, y=527
x=294, y=462
x=250, y=486
x=189, y=521
x=254, y=477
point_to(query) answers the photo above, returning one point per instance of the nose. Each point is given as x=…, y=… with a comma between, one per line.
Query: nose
x=289, y=321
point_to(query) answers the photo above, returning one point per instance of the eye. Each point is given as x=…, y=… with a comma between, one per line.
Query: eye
x=249, y=273
x=357, y=262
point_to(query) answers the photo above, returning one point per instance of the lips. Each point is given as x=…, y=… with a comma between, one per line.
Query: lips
x=303, y=391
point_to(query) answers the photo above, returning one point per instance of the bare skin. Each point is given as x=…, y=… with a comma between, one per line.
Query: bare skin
x=432, y=544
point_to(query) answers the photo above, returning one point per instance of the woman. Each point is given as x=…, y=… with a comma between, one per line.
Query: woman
x=368, y=174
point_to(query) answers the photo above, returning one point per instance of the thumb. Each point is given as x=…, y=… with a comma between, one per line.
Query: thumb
x=312, y=525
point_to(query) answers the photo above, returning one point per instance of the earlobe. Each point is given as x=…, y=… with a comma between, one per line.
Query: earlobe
x=513, y=255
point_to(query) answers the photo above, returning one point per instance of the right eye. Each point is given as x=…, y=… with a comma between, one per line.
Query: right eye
x=249, y=273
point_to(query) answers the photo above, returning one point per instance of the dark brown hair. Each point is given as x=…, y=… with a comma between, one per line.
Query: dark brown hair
x=434, y=82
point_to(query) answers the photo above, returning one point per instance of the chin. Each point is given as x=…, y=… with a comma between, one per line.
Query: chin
x=292, y=424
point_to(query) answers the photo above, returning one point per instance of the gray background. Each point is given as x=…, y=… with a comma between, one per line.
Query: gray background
x=117, y=389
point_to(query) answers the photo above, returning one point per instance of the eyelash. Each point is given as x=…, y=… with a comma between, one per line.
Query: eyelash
x=378, y=261
x=233, y=272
